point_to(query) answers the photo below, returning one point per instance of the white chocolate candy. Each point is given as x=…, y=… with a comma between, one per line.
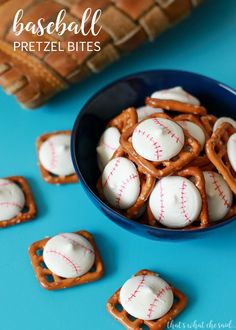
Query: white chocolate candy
x=231, y=150
x=55, y=157
x=175, y=202
x=121, y=183
x=219, y=195
x=146, y=111
x=146, y=297
x=176, y=94
x=224, y=120
x=158, y=139
x=108, y=144
x=12, y=199
x=69, y=255
x=194, y=130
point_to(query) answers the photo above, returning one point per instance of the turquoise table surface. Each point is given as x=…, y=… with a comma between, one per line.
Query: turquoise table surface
x=203, y=269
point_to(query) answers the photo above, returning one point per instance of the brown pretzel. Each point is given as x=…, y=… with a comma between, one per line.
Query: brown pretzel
x=46, y=175
x=29, y=210
x=208, y=122
x=189, y=152
x=51, y=281
x=196, y=176
x=202, y=160
x=216, y=149
x=116, y=310
x=125, y=120
x=171, y=105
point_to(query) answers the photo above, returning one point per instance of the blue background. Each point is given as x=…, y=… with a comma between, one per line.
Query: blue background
x=204, y=269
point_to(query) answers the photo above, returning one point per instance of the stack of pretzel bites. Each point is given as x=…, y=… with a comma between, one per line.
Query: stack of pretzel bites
x=169, y=163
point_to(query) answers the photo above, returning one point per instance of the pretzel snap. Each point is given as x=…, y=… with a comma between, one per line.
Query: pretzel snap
x=51, y=281
x=188, y=153
x=208, y=122
x=126, y=119
x=115, y=308
x=171, y=105
x=216, y=149
x=29, y=210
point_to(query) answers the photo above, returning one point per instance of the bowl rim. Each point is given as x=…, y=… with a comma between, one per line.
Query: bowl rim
x=89, y=190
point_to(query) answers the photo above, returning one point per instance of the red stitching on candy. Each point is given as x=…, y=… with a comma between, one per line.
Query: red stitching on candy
x=183, y=202
x=158, y=295
x=67, y=259
x=162, y=206
x=53, y=154
x=11, y=204
x=122, y=188
x=169, y=131
x=140, y=285
x=75, y=243
x=155, y=144
x=112, y=172
x=4, y=184
x=107, y=145
x=217, y=188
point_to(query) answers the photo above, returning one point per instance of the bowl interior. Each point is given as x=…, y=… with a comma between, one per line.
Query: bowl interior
x=219, y=100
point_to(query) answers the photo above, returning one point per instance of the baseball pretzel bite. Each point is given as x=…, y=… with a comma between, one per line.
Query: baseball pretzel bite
x=216, y=149
x=16, y=201
x=66, y=260
x=154, y=302
x=54, y=158
x=190, y=150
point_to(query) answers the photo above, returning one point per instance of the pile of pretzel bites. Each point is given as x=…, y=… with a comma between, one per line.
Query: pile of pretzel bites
x=191, y=161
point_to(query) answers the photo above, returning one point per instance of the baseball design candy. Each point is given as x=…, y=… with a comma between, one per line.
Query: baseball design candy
x=69, y=255
x=108, y=144
x=219, y=195
x=158, y=139
x=12, y=199
x=194, y=130
x=121, y=183
x=175, y=202
x=176, y=94
x=224, y=120
x=146, y=297
x=231, y=150
x=54, y=155
x=146, y=111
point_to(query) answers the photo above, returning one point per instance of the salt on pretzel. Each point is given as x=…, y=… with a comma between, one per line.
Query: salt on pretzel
x=216, y=149
x=115, y=309
x=196, y=176
x=171, y=105
x=126, y=119
x=189, y=152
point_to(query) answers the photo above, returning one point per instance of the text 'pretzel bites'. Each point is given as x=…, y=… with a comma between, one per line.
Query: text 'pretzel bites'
x=216, y=149
x=29, y=210
x=171, y=105
x=189, y=152
x=51, y=281
x=115, y=309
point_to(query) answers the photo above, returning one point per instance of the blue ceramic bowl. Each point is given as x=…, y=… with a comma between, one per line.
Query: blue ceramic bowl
x=131, y=91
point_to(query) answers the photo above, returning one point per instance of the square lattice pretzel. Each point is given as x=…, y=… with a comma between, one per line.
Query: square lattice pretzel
x=51, y=281
x=29, y=210
x=189, y=152
x=46, y=175
x=131, y=323
x=216, y=149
